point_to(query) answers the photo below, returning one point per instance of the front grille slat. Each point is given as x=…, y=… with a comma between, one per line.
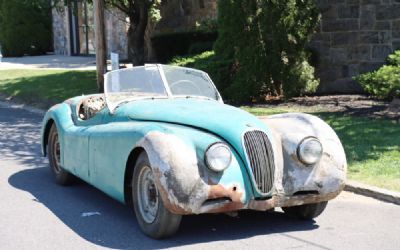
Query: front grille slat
x=260, y=158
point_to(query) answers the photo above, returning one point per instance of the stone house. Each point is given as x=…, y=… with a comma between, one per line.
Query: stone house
x=354, y=36
x=73, y=25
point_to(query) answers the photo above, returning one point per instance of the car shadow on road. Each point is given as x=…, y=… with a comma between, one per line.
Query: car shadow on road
x=116, y=226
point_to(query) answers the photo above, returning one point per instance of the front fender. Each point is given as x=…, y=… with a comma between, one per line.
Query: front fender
x=325, y=177
x=185, y=184
x=60, y=114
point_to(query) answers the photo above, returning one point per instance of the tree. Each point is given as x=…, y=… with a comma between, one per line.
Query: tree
x=140, y=13
x=25, y=27
x=265, y=41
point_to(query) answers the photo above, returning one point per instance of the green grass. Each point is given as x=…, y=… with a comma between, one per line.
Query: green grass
x=44, y=88
x=372, y=145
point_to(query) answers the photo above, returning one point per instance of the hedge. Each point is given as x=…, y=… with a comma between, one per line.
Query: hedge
x=25, y=27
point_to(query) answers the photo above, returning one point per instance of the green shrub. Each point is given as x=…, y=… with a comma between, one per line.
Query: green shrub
x=266, y=43
x=169, y=45
x=394, y=59
x=385, y=81
x=25, y=27
x=382, y=83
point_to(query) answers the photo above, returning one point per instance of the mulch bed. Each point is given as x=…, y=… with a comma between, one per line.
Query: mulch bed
x=357, y=105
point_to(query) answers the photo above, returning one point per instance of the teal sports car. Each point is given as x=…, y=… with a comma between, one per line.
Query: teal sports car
x=161, y=139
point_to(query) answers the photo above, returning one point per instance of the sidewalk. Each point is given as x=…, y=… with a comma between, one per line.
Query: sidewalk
x=49, y=62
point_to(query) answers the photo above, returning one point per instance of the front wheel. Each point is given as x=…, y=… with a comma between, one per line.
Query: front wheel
x=153, y=218
x=307, y=211
x=62, y=177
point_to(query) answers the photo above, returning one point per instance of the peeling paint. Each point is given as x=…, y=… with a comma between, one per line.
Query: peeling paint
x=326, y=176
x=187, y=190
x=182, y=189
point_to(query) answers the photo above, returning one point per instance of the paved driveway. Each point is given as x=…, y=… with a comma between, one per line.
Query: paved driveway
x=49, y=62
x=35, y=213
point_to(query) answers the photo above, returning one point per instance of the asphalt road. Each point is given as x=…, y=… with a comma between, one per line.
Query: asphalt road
x=35, y=213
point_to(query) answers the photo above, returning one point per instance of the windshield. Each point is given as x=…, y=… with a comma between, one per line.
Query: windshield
x=156, y=81
x=189, y=82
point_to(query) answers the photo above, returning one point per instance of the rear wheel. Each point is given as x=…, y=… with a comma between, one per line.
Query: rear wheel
x=153, y=218
x=307, y=211
x=54, y=154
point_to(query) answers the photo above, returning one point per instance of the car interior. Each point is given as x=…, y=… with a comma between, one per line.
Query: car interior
x=90, y=106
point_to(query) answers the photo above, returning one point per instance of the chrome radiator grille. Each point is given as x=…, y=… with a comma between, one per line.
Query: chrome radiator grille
x=260, y=158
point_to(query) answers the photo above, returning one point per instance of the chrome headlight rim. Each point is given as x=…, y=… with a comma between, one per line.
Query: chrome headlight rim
x=213, y=146
x=301, y=157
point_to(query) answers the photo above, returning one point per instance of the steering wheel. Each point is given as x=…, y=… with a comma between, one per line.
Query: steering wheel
x=188, y=83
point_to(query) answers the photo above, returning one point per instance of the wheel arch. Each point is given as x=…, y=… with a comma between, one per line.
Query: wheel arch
x=130, y=165
x=46, y=132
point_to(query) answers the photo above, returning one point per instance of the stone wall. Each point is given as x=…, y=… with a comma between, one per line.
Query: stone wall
x=116, y=25
x=354, y=36
x=177, y=15
x=182, y=15
x=61, y=40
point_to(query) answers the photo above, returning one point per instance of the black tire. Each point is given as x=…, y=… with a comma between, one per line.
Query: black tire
x=162, y=223
x=54, y=155
x=307, y=211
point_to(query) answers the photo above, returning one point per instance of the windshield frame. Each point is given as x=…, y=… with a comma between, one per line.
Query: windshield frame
x=168, y=95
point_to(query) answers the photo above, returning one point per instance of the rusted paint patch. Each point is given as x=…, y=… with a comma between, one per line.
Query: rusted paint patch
x=288, y=201
x=219, y=191
x=232, y=192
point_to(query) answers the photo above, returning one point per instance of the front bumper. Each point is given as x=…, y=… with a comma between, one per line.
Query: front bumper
x=289, y=201
x=224, y=200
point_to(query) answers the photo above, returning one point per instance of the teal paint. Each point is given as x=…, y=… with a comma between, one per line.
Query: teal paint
x=97, y=151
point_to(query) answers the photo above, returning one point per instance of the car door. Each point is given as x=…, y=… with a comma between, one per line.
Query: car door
x=76, y=145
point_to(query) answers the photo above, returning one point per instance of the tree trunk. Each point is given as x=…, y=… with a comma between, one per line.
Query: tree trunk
x=136, y=33
x=148, y=46
x=101, y=50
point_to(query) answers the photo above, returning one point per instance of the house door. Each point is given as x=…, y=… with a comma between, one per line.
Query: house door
x=81, y=18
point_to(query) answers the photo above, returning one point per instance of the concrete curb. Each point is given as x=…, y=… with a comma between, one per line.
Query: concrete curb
x=351, y=186
x=374, y=192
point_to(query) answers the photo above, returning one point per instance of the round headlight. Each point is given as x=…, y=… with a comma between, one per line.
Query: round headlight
x=218, y=157
x=309, y=150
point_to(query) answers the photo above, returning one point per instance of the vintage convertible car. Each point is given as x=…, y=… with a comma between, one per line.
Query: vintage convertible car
x=161, y=139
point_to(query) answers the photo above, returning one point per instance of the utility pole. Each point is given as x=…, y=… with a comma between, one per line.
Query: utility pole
x=101, y=49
